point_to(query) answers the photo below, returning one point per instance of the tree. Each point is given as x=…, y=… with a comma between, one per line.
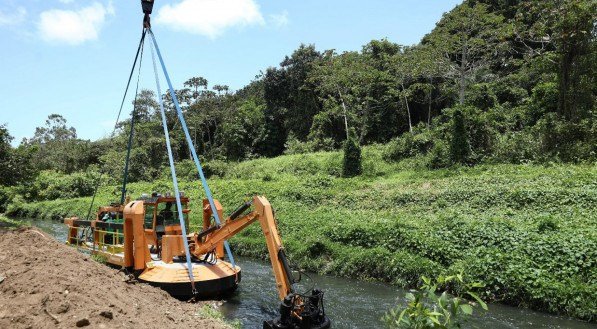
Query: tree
x=575, y=39
x=340, y=79
x=288, y=91
x=5, y=156
x=55, y=130
x=467, y=37
x=195, y=83
x=16, y=164
x=242, y=130
x=403, y=70
x=220, y=89
x=382, y=118
x=562, y=33
x=58, y=146
x=146, y=106
x=427, y=68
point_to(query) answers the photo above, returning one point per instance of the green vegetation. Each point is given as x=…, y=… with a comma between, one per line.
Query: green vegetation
x=527, y=232
x=352, y=163
x=472, y=151
x=427, y=309
x=209, y=311
x=99, y=258
x=9, y=223
x=459, y=148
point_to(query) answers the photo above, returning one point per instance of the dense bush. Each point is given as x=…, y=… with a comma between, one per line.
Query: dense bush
x=50, y=185
x=212, y=168
x=409, y=145
x=439, y=156
x=294, y=146
x=568, y=141
x=5, y=197
x=517, y=147
x=459, y=142
x=352, y=162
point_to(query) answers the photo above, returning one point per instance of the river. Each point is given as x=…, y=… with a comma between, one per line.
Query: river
x=350, y=304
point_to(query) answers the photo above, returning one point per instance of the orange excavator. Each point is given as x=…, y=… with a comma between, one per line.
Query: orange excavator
x=148, y=242
x=148, y=239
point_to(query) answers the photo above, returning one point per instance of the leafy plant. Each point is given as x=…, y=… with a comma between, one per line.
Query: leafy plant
x=408, y=145
x=209, y=311
x=427, y=309
x=99, y=258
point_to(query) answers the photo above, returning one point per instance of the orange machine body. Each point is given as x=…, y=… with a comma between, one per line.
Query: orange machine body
x=145, y=237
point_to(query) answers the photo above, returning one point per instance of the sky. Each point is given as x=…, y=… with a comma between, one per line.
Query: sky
x=73, y=57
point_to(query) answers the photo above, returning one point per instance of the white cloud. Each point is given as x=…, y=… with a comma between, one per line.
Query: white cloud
x=209, y=17
x=279, y=20
x=13, y=18
x=74, y=26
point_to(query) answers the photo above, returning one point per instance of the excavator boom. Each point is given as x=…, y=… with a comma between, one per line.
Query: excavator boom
x=232, y=225
x=296, y=311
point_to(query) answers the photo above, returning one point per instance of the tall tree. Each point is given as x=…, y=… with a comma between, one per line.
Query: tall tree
x=5, y=156
x=55, y=130
x=195, y=83
x=575, y=39
x=403, y=69
x=381, y=115
x=16, y=164
x=340, y=79
x=58, y=146
x=302, y=102
x=468, y=37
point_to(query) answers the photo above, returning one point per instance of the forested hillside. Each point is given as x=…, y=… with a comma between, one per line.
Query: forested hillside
x=496, y=81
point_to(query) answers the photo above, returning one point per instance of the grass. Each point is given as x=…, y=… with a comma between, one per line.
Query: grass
x=210, y=311
x=528, y=232
x=9, y=223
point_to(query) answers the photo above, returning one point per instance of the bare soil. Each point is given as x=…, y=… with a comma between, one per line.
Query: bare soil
x=46, y=284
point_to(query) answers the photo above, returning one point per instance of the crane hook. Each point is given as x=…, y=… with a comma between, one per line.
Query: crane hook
x=147, y=6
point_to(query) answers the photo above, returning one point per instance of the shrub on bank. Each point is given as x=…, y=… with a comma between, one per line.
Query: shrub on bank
x=5, y=197
x=408, y=145
x=352, y=161
x=51, y=185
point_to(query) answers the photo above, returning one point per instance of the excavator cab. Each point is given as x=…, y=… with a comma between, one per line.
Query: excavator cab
x=161, y=218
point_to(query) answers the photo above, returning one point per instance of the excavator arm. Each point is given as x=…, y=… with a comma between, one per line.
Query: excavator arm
x=296, y=311
x=208, y=240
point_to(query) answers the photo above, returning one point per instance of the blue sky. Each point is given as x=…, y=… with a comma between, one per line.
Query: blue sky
x=72, y=56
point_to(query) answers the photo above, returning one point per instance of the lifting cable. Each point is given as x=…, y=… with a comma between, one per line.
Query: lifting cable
x=98, y=181
x=192, y=148
x=173, y=173
x=125, y=174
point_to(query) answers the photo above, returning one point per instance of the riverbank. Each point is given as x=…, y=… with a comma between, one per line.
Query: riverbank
x=529, y=233
x=352, y=304
x=9, y=223
x=46, y=284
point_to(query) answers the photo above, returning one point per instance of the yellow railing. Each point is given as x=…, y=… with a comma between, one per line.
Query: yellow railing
x=117, y=241
x=84, y=234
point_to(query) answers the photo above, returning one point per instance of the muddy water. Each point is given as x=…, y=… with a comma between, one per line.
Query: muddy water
x=349, y=303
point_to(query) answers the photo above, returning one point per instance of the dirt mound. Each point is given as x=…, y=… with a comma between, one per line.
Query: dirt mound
x=46, y=284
